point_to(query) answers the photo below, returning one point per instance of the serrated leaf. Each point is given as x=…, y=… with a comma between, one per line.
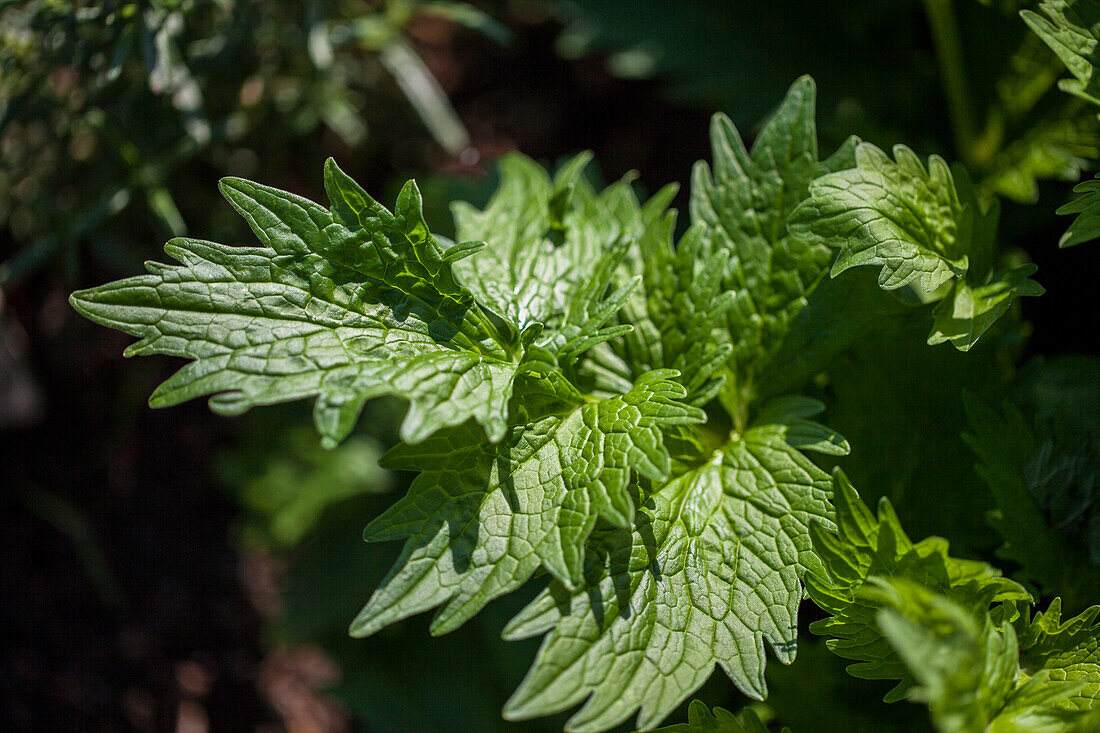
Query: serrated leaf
x=481, y=519
x=328, y=308
x=719, y=720
x=709, y=572
x=742, y=202
x=1086, y=227
x=1069, y=28
x=546, y=236
x=967, y=668
x=864, y=546
x=894, y=214
x=678, y=310
x=1068, y=652
x=346, y=304
x=925, y=228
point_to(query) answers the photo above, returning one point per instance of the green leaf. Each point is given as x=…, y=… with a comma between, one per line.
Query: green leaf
x=287, y=481
x=719, y=720
x=1014, y=462
x=331, y=308
x=967, y=668
x=742, y=204
x=924, y=228
x=1086, y=226
x=547, y=236
x=967, y=312
x=1058, y=148
x=482, y=518
x=1069, y=28
x=678, y=310
x=1067, y=652
x=865, y=546
x=708, y=572
x=894, y=214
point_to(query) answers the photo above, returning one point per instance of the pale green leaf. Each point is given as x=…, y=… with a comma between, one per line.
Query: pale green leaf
x=893, y=214
x=742, y=202
x=967, y=668
x=924, y=228
x=482, y=518
x=709, y=571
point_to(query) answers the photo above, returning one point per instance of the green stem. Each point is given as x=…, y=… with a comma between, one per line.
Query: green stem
x=945, y=33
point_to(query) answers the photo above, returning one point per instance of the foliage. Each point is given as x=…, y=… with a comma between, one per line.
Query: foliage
x=957, y=635
x=968, y=669
x=923, y=230
x=618, y=416
x=1069, y=28
x=1042, y=472
x=228, y=85
x=865, y=547
x=718, y=720
x=590, y=470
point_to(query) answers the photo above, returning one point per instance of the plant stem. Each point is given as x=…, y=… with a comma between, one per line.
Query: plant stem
x=945, y=34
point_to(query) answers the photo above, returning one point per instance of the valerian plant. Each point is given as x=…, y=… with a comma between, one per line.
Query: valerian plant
x=616, y=413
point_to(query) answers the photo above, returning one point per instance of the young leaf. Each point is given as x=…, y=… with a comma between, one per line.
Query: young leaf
x=709, y=571
x=1069, y=28
x=1068, y=652
x=894, y=214
x=967, y=668
x=482, y=518
x=742, y=203
x=923, y=228
x=866, y=546
x=718, y=720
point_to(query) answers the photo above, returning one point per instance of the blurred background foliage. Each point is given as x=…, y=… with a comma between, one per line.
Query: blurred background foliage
x=171, y=569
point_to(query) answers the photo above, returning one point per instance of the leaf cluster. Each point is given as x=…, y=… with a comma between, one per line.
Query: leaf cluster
x=616, y=412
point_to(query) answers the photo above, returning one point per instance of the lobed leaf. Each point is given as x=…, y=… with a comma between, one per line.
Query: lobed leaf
x=867, y=546
x=741, y=204
x=1086, y=226
x=924, y=228
x=329, y=308
x=1069, y=28
x=967, y=667
x=1066, y=652
x=708, y=572
x=482, y=518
